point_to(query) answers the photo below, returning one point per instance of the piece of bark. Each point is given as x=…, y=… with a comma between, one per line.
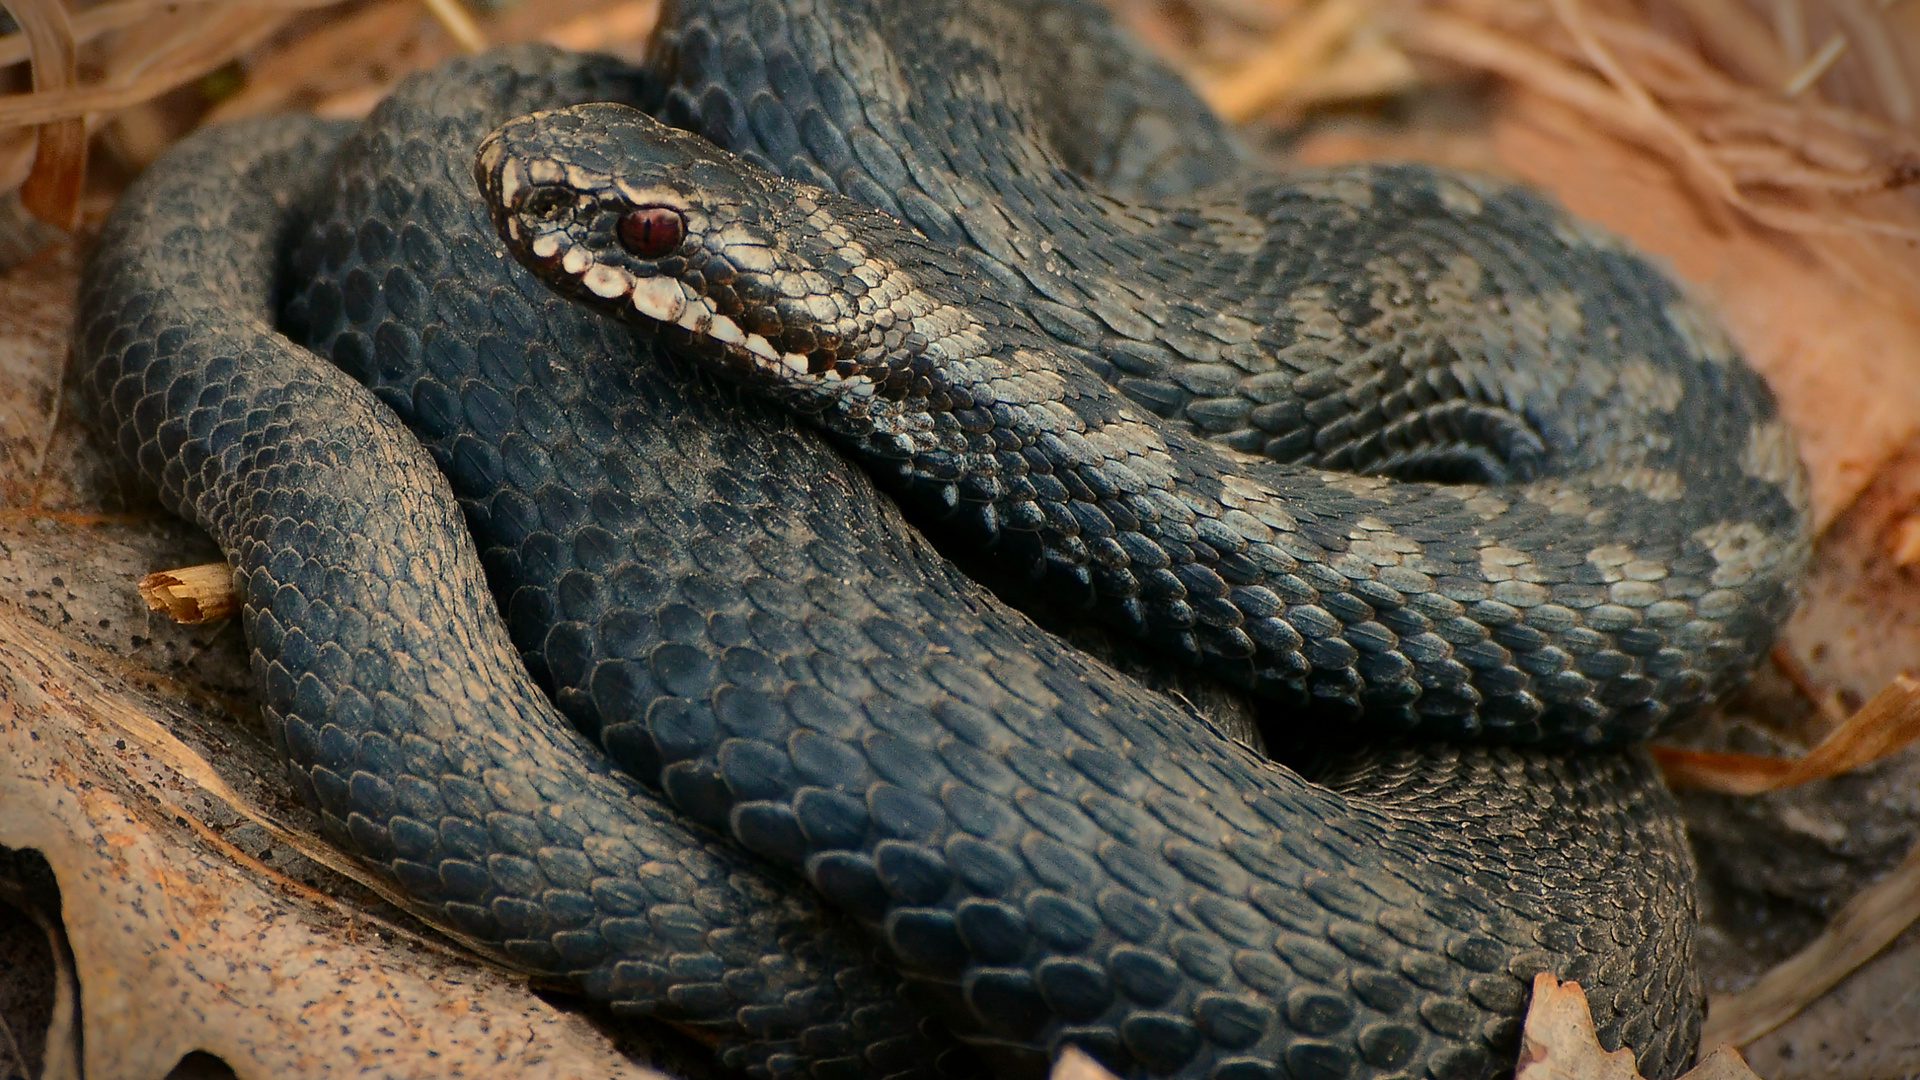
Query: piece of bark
x=192, y=594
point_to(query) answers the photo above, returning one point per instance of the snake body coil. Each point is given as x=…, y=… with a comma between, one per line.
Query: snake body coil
x=1047, y=852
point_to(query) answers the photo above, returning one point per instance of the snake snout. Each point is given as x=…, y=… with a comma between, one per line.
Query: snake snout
x=514, y=200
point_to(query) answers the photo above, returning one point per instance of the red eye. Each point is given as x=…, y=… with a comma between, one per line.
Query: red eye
x=652, y=231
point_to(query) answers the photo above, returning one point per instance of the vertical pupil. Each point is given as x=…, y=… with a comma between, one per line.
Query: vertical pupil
x=651, y=231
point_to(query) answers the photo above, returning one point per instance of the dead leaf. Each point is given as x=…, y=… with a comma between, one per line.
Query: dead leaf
x=1558, y=1043
x=1075, y=1064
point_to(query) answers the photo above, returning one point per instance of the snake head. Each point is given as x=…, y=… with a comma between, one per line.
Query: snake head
x=556, y=198
x=777, y=282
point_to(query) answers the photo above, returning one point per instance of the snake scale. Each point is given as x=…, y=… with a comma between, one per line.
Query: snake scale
x=626, y=678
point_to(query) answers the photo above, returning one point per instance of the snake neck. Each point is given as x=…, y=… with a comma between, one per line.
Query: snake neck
x=822, y=302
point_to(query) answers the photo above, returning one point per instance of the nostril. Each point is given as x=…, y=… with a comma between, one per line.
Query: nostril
x=545, y=202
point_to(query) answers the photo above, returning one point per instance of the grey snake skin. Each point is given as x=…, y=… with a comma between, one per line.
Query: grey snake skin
x=536, y=504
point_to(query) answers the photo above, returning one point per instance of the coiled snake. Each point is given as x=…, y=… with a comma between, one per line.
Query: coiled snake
x=1065, y=245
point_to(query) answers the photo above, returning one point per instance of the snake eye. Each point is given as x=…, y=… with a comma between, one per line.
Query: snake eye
x=651, y=232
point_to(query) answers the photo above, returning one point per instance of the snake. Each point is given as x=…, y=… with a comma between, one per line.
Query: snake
x=524, y=413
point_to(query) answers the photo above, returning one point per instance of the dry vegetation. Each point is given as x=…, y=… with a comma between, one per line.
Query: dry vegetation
x=1768, y=150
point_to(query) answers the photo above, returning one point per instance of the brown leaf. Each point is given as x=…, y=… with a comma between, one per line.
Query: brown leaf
x=1074, y=1064
x=1558, y=1043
